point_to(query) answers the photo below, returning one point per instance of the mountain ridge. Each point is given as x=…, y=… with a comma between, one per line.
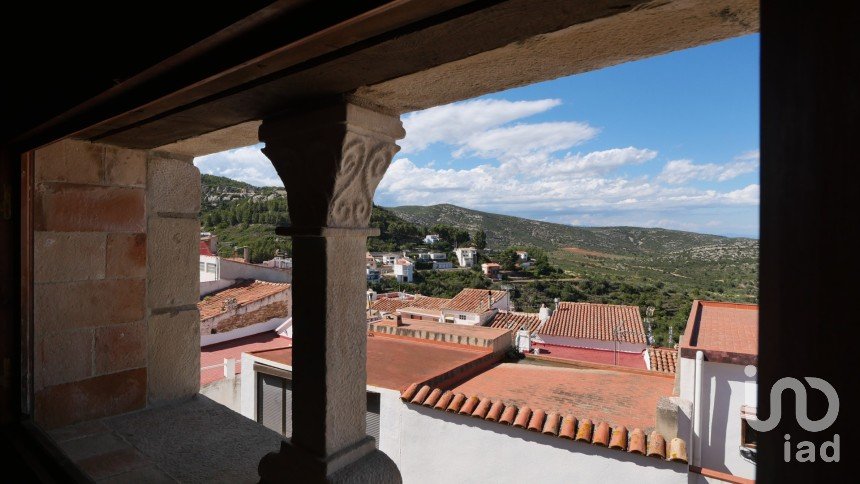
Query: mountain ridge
x=505, y=230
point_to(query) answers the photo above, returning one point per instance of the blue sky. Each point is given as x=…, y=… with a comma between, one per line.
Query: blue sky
x=670, y=141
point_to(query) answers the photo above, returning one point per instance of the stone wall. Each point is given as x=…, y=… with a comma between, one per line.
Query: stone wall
x=115, y=281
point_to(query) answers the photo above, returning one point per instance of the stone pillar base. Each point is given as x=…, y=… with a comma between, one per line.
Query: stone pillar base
x=360, y=463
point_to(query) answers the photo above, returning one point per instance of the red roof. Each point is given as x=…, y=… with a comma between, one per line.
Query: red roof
x=204, y=248
x=473, y=300
x=391, y=305
x=515, y=321
x=608, y=408
x=663, y=359
x=726, y=332
x=212, y=356
x=395, y=362
x=619, y=397
x=595, y=321
x=244, y=292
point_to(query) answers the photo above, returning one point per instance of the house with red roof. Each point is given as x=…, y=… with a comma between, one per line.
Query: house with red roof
x=610, y=327
x=439, y=396
x=718, y=389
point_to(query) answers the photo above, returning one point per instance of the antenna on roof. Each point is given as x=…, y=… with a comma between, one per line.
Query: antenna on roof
x=671, y=333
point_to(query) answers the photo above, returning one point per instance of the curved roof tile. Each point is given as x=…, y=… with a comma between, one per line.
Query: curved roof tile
x=552, y=423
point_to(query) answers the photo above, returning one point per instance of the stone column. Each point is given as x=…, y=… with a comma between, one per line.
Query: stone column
x=331, y=159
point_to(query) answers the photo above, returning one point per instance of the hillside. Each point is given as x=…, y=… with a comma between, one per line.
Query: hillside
x=504, y=231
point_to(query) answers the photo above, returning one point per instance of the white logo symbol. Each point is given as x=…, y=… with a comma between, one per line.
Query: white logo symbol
x=789, y=383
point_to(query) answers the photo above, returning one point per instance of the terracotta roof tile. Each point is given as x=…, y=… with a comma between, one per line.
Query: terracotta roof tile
x=469, y=406
x=538, y=420
x=482, y=408
x=550, y=427
x=656, y=445
x=509, y=415
x=244, y=292
x=444, y=401
x=515, y=321
x=595, y=321
x=601, y=435
x=393, y=304
x=619, y=438
x=568, y=427
x=523, y=417
x=663, y=359
x=678, y=450
x=637, y=442
x=433, y=397
x=584, y=431
x=456, y=403
x=495, y=412
x=473, y=300
x=422, y=394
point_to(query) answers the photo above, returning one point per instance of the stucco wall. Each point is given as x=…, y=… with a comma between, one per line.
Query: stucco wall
x=597, y=344
x=239, y=270
x=433, y=446
x=116, y=274
x=226, y=391
x=723, y=394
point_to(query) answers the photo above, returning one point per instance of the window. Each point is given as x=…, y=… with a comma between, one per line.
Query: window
x=202, y=267
x=275, y=402
x=749, y=435
x=210, y=267
x=462, y=317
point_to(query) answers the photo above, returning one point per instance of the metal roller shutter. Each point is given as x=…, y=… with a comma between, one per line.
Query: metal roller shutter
x=372, y=416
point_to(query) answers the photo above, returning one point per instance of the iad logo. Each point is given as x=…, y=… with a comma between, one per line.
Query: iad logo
x=829, y=450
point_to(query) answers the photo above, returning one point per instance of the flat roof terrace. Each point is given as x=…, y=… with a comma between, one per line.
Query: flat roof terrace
x=618, y=397
x=724, y=332
x=395, y=363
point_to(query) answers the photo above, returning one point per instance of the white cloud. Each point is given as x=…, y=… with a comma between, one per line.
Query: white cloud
x=454, y=123
x=246, y=164
x=525, y=139
x=682, y=171
x=575, y=183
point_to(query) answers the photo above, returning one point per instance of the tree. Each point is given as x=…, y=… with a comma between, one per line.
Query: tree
x=480, y=239
x=460, y=236
x=508, y=259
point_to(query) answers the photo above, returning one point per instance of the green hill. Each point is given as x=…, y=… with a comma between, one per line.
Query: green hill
x=504, y=231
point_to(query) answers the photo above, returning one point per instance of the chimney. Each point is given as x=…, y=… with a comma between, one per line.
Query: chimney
x=399, y=321
x=489, y=299
x=543, y=314
x=213, y=244
x=247, y=254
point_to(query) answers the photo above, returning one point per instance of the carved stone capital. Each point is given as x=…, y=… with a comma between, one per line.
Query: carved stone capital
x=331, y=160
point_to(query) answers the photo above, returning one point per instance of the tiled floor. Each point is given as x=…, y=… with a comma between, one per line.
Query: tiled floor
x=104, y=456
x=194, y=441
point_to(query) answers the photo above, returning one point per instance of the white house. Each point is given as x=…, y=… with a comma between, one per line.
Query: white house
x=475, y=306
x=523, y=255
x=442, y=265
x=466, y=256
x=389, y=258
x=403, y=270
x=609, y=327
x=431, y=238
x=717, y=390
x=504, y=435
x=279, y=262
x=373, y=274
